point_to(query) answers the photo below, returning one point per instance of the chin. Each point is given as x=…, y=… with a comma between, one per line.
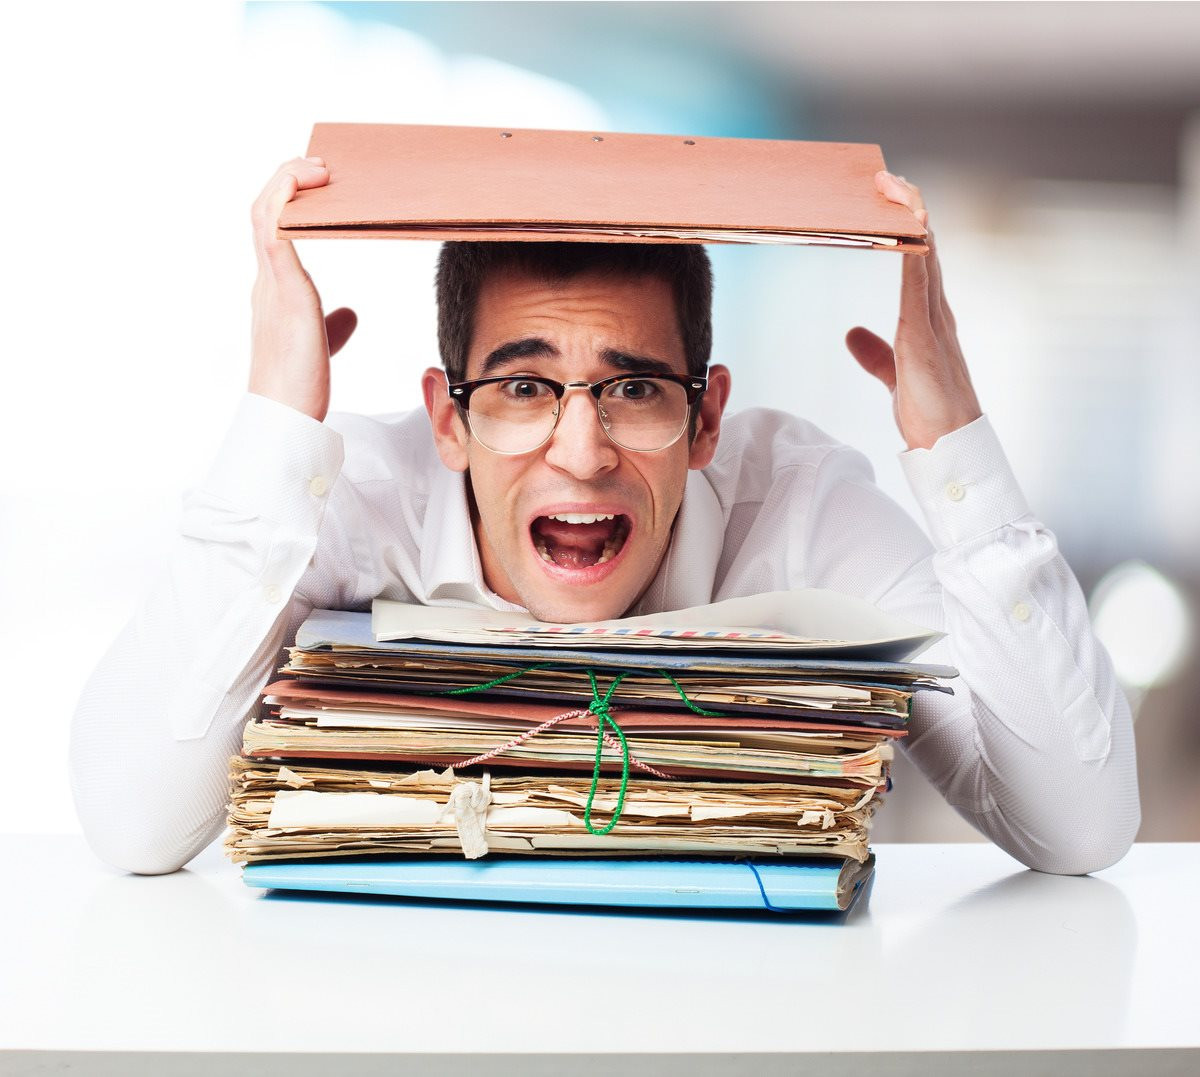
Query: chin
x=575, y=609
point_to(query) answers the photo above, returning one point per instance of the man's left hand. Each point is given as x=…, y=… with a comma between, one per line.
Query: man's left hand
x=925, y=370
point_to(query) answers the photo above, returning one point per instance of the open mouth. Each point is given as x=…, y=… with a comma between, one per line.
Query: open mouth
x=576, y=540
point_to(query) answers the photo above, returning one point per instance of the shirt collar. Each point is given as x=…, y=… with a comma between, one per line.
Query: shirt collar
x=688, y=571
x=450, y=567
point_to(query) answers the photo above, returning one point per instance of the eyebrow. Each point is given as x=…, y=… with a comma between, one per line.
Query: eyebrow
x=540, y=348
x=638, y=364
x=528, y=348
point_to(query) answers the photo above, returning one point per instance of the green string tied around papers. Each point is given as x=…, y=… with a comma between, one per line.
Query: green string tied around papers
x=599, y=706
x=687, y=702
x=492, y=684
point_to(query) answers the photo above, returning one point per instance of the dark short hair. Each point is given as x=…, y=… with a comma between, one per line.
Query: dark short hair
x=464, y=266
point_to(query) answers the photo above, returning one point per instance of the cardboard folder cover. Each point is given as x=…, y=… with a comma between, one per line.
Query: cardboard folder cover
x=406, y=181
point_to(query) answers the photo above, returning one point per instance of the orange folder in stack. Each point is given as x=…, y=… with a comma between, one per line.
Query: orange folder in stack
x=409, y=181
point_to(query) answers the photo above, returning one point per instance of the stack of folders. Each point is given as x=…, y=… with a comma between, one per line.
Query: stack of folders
x=758, y=729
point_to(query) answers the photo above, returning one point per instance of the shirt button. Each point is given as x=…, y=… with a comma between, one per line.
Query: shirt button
x=271, y=594
x=1021, y=611
x=954, y=491
x=317, y=486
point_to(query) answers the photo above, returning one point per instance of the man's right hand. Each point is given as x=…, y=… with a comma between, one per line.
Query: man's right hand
x=291, y=339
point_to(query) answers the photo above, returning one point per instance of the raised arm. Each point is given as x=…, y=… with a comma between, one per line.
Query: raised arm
x=162, y=713
x=1036, y=748
x=291, y=341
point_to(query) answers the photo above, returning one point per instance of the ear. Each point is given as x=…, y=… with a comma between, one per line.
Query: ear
x=449, y=430
x=708, y=427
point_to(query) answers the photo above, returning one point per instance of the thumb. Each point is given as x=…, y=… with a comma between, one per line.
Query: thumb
x=874, y=355
x=339, y=325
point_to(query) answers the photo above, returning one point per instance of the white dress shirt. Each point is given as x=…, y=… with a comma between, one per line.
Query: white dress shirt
x=1035, y=748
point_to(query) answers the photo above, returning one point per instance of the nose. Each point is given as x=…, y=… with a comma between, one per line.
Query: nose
x=579, y=446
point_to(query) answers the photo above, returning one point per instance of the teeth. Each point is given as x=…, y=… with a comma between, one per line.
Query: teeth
x=581, y=517
x=610, y=548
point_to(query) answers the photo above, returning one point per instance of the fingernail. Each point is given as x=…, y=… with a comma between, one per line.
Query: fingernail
x=316, y=160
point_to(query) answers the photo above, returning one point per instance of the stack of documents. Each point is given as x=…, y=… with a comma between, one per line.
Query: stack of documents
x=701, y=733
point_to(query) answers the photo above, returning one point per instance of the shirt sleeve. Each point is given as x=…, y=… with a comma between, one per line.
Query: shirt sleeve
x=163, y=712
x=1035, y=748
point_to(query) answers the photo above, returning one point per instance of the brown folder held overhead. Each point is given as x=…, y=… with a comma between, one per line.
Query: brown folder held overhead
x=404, y=181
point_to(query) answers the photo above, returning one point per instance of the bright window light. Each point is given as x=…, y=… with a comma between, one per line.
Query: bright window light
x=1142, y=618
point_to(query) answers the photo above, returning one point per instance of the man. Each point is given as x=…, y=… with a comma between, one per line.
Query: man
x=581, y=467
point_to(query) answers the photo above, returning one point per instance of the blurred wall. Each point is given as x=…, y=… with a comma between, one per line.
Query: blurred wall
x=1058, y=147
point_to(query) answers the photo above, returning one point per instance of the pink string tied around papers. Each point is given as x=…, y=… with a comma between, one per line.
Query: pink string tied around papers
x=602, y=737
x=599, y=707
x=521, y=738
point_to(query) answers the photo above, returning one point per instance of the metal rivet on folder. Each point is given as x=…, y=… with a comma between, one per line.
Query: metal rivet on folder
x=597, y=138
x=506, y=134
x=689, y=141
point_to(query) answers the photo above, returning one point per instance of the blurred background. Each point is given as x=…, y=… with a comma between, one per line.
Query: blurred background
x=1057, y=146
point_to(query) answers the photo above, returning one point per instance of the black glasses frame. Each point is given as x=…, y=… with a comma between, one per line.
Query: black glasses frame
x=460, y=393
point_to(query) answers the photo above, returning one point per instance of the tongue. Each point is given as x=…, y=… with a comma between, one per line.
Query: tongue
x=573, y=545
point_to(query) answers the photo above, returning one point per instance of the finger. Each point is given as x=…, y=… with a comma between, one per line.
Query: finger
x=309, y=172
x=933, y=268
x=922, y=278
x=899, y=190
x=910, y=196
x=874, y=355
x=339, y=325
x=917, y=300
x=294, y=176
x=276, y=256
x=932, y=279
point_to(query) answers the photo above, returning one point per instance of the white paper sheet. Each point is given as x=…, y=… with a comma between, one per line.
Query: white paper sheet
x=806, y=619
x=307, y=808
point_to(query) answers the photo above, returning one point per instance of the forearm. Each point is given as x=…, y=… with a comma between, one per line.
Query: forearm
x=1036, y=749
x=1010, y=751
x=163, y=712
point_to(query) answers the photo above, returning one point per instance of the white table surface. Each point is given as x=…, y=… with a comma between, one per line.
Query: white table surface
x=958, y=949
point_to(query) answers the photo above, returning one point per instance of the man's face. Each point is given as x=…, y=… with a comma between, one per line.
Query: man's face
x=583, y=329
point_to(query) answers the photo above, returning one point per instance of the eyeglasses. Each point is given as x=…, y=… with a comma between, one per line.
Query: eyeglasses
x=517, y=414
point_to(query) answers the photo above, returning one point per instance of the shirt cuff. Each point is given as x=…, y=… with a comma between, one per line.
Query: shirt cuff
x=277, y=463
x=964, y=484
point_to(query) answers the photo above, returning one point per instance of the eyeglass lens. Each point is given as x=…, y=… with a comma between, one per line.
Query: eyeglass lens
x=517, y=415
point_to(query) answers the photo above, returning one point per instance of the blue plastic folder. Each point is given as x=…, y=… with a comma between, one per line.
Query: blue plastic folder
x=777, y=885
